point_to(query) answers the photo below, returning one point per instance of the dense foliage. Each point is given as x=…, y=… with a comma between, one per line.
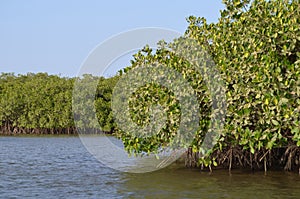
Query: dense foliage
x=256, y=49
x=42, y=104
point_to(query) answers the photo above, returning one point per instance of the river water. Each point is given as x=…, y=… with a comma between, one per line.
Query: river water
x=61, y=167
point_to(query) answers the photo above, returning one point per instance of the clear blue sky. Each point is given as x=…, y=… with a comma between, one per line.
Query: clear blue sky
x=55, y=36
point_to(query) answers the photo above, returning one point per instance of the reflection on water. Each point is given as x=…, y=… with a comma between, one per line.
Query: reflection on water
x=110, y=151
x=60, y=167
x=190, y=183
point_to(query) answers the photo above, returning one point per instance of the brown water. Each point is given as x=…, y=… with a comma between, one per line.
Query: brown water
x=60, y=167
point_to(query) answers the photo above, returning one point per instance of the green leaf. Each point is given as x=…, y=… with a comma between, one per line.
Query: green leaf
x=215, y=163
x=275, y=122
x=252, y=150
x=295, y=130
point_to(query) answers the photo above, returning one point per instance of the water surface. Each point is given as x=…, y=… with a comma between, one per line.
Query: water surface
x=60, y=167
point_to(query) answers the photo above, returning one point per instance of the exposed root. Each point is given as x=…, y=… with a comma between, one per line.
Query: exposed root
x=291, y=158
x=287, y=158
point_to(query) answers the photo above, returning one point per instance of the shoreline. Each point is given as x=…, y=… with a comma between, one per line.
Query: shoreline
x=55, y=135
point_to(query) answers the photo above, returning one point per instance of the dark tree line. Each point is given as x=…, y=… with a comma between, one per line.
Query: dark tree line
x=42, y=104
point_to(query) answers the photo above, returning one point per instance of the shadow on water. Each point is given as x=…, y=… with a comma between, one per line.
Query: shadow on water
x=178, y=182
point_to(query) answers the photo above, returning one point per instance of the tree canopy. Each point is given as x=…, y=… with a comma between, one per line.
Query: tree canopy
x=256, y=49
x=42, y=104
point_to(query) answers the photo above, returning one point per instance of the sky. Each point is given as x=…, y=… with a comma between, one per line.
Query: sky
x=56, y=36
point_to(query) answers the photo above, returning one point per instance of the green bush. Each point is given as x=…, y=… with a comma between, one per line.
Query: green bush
x=256, y=49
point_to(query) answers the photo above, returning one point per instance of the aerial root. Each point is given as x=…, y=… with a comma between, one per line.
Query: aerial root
x=231, y=157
